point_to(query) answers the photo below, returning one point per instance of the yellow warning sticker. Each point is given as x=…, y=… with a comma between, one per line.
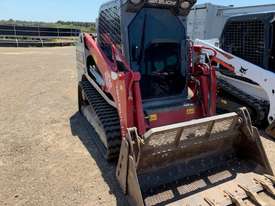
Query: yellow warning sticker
x=190, y=111
x=153, y=117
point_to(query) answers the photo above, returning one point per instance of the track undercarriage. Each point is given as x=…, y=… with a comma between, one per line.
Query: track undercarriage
x=103, y=117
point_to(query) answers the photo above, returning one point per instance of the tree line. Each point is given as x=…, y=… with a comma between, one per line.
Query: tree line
x=83, y=26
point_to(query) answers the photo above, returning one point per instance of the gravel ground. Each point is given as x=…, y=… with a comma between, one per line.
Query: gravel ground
x=46, y=154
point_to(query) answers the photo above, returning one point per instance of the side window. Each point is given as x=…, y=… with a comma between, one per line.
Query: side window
x=109, y=23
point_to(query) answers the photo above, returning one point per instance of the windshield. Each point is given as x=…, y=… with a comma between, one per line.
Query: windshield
x=157, y=50
x=151, y=26
x=161, y=74
x=162, y=57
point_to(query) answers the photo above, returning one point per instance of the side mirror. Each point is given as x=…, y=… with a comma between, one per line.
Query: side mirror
x=135, y=53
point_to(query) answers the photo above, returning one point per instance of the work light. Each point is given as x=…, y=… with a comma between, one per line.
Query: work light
x=135, y=1
x=185, y=4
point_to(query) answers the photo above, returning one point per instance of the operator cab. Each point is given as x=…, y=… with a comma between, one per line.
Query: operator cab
x=158, y=51
x=258, y=46
x=152, y=35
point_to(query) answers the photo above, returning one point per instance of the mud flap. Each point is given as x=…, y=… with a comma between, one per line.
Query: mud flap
x=213, y=161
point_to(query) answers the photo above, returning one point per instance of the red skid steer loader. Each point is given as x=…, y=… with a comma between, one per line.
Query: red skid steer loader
x=151, y=96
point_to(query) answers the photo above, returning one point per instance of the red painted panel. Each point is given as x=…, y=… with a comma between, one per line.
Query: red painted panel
x=125, y=89
x=176, y=116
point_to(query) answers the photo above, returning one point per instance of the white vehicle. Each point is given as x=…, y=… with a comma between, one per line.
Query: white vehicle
x=262, y=82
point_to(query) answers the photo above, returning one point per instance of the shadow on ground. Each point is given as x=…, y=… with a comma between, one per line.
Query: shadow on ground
x=81, y=128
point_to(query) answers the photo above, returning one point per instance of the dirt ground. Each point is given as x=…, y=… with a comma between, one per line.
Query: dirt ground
x=47, y=155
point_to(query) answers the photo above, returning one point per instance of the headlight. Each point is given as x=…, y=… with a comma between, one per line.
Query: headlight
x=135, y=1
x=185, y=4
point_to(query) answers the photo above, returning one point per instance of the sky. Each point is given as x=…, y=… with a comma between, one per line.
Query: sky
x=76, y=10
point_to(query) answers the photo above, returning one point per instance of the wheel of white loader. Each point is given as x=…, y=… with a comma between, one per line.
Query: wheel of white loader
x=103, y=118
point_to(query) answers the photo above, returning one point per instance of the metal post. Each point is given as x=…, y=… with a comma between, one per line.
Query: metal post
x=14, y=30
x=39, y=31
x=42, y=43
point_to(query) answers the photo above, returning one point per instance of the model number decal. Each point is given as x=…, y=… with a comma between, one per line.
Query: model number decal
x=163, y=2
x=190, y=111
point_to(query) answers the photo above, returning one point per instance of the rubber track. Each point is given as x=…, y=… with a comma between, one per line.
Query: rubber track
x=260, y=107
x=108, y=117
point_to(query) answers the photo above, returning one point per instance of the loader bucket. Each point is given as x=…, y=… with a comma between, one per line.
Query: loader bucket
x=213, y=161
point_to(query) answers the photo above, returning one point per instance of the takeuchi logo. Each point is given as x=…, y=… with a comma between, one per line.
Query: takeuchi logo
x=163, y=2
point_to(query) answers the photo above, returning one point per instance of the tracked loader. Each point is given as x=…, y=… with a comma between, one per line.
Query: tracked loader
x=150, y=94
x=246, y=63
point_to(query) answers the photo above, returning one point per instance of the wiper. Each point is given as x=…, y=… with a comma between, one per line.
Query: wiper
x=142, y=40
